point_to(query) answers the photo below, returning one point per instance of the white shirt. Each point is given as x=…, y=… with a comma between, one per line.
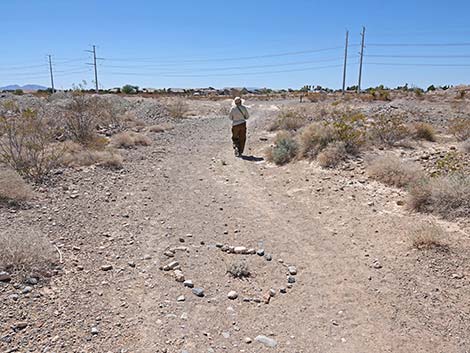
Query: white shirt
x=238, y=116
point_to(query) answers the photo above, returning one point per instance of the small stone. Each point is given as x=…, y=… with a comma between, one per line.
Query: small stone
x=272, y=292
x=106, y=267
x=14, y=297
x=240, y=250
x=94, y=331
x=169, y=253
x=199, y=292
x=181, y=298
x=290, y=279
x=232, y=295
x=219, y=245
x=179, y=276
x=26, y=290
x=5, y=277
x=269, y=342
x=283, y=290
x=457, y=275
x=292, y=270
x=268, y=257
x=400, y=202
x=147, y=257
x=247, y=340
x=131, y=264
x=225, y=248
x=377, y=264
x=260, y=252
x=171, y=266
x=188, y=283
x=251, y=251
x=31, y=280
x=226, y=334
x=20, y=325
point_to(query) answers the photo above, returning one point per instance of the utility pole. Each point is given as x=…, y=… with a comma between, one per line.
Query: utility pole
x=94, y=64
x=345, y=61
x=363, y=34
x=52, y=76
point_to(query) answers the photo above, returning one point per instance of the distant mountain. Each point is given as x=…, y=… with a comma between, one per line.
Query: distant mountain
x=24, y=88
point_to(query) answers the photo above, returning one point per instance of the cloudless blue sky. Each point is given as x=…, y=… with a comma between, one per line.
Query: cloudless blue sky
x=213, y=43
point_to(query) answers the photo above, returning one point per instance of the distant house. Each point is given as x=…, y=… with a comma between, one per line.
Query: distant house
x=176, y=90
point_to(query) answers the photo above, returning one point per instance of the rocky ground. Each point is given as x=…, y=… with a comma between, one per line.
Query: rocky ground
x=145, y=251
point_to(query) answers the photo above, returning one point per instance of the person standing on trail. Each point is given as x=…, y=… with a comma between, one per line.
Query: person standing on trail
x=238, y=115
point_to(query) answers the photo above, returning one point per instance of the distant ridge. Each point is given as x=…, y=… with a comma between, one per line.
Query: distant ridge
x=24, y=88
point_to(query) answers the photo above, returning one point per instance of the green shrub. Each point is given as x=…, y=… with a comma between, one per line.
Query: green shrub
x=314, y=138
x=289, y=119
x=285, y=148
x=388, y=129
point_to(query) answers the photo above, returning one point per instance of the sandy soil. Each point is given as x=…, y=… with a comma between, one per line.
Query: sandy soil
x=359, y=287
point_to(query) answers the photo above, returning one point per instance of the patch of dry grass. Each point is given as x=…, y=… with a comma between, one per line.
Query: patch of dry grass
x=460, y=128
x=78, y=156
x=446, y=195
x=178, y=108
x=13, y=189
x=289, y=119
x=314, y=138
x=284, y=150
x=427, y=236
x=238, y=269
x=160, y=128
x=130, y=139
x=25, y=251
x=392, y=171
x=332, y=155
x=424, y=131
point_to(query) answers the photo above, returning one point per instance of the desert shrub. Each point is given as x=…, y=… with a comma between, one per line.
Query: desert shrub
x=380, y=94
x=178, y=108
x=314, y=138
x=451, y=162
x=350, y=128
x=77, y=155
x=289, y=119
x=238, y=269
x=84, y=114
x=444, y=195
x=284, y=149
x=128, y=89
x=18, y=92
x=392, y=171
x=460, y=128
x=159, y=128
x=427, y=236
x=332, y=155
x=130, y=139
x=388, y=129
x=25, y=143
x=13, y=189
x=424, y=131
x=25, y=251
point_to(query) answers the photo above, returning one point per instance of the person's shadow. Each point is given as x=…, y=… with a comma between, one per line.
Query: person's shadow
x=252, y=158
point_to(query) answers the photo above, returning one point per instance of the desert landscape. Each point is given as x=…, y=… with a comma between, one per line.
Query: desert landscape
x=128, y=225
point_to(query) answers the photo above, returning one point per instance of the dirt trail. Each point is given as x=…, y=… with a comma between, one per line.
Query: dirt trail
x=359, y=288
x=324, y=226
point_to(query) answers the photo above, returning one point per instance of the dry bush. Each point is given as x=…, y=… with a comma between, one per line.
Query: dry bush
x=160, y=127
x=444, y=195
x=460, y=128
x=392, y=171
x=25, y=251
x=83, y=116
x=238, y=269
x=424, y=131
x=388, y=129
x=350, y=128
x=178, y=108
x=26, y=143
x=284, y=150
x=289, y=119
x=314, y=138
x=332, y=155
x=77, y=155
x=13, y=188
x=130, y=139
x=427, y=237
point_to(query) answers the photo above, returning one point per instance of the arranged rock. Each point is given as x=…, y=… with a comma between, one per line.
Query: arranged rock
x=199, y=292
x=232, y=295
x=292, y=270
x=260, y=252
x=106, y=267
x=171, y=266
x=377, y=264
x=291, y=279
x=94, y=331
x=247, y=340
x=240, y=250
x=169, y=253
x=181, y=298
x=31, y=280
x=283, y=290
x=179, y=276
x=268, y=342
x=5, y=277
x=131, y=264
x=188, y=283
x=20, y=325
x=26, y=290
x=268, y=257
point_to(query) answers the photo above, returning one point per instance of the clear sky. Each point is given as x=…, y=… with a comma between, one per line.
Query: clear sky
x=257, y=43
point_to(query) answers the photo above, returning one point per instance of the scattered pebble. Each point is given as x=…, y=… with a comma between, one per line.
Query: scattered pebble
x=269, y=342
x=232, y=295
x=107, y=267
x=199, y=292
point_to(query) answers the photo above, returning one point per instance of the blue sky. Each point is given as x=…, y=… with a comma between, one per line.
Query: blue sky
x=259, y=43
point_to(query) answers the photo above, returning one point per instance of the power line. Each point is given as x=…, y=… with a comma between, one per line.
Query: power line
x=419, y=64
x=419, y=45
x=418, y=56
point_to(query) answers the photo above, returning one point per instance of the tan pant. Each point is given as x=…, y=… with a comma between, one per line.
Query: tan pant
x=239, y=138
